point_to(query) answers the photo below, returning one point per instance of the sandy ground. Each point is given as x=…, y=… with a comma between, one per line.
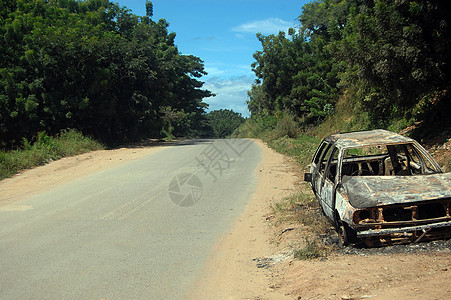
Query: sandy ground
x=398, y=276
x=237, y=267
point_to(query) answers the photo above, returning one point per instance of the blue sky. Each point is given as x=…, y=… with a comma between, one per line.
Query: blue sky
x=223, y=35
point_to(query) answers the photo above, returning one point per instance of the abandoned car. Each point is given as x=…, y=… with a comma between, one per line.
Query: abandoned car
x=378, y=187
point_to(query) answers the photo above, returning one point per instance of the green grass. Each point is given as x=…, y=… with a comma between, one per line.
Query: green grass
x=269, y=127
x=301, y=148
x=45, y=149
x=349, y=116
x=284, y=133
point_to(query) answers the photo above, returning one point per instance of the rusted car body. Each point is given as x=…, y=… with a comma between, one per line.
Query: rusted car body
x=379, y=187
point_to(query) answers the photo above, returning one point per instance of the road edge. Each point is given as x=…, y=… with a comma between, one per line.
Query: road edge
x=231, y=270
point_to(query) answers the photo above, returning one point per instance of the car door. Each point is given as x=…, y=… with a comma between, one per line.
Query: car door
x=318, y=164
x=327, y=184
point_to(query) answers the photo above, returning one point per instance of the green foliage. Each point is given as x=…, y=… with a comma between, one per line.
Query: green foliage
x=224, y=122
x=94, y=66
x=44, y=149
x=173, y=121
x=295, y=75
x=401, y=51
x=433, y=111
x=349, y=116
x=394, y=55
x=167, y=134
x=399, y=124
x=286, y=126
x=302, y=148
x=269, y=127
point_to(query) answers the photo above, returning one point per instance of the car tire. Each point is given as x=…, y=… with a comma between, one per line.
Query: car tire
x=346, y=235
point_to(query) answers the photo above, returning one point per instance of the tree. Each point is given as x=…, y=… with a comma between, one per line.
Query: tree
x=224, y=122
x=395, y=54
x=298, y=75
x=93, y=66
x=401, y=52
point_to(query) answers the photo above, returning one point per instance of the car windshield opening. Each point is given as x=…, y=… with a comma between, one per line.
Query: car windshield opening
x=385, y=160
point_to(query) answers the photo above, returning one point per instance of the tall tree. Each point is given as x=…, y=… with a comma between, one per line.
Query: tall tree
x=299, y=73
x=93, y=66
x=401, y=51
x=393, y=53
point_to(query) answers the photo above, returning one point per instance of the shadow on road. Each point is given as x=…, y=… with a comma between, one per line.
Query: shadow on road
x=163, y=143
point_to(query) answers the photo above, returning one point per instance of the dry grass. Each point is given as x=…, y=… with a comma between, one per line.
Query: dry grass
x=300, y=225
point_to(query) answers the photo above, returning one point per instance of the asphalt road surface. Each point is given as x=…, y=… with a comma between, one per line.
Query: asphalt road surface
x=141, y=230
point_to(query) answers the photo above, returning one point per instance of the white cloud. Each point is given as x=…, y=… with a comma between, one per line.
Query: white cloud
x=231, y=93
x=268, y=26
x=220, y=69
x=213, y=71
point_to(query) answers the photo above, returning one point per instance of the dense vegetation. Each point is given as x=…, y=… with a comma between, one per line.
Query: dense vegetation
x=223, y=122
x=351, y=65
x=93, y=66
x=393, y=56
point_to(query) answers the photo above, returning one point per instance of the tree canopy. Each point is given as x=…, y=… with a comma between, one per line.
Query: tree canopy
x=223, y=122
x=96, y=67
x=395, y=54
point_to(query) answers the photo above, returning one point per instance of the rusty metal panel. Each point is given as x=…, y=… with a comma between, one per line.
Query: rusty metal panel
x=369, y=191
x=388, y=231
x=366, y=138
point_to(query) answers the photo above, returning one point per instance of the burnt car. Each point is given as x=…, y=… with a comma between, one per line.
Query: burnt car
x=378, y=187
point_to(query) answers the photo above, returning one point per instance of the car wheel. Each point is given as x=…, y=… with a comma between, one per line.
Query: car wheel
x=343, y=236
x=346, y=235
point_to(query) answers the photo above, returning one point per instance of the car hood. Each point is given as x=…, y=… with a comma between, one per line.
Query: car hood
x=369, y=191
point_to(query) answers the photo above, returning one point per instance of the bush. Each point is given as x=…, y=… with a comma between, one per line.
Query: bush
x=224, y=122
x=285, y=126
x=269, y=127
x=45, y=149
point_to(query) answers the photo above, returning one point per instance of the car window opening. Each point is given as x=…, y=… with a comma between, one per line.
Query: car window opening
x=399, y=159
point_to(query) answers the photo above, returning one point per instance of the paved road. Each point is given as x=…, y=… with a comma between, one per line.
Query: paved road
x=141, y=230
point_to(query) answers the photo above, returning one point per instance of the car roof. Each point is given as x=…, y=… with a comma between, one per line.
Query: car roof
x=367, y=138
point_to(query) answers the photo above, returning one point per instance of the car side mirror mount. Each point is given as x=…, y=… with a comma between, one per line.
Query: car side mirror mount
x=308, y=177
